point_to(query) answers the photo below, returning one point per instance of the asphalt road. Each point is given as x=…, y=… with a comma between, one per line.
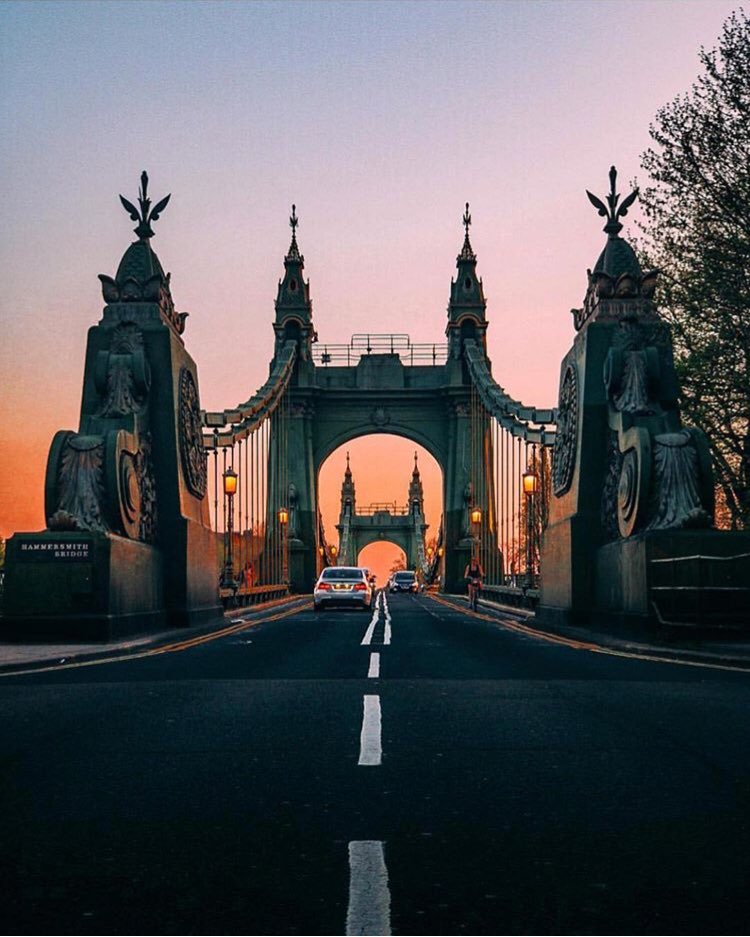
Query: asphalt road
x=483, y=782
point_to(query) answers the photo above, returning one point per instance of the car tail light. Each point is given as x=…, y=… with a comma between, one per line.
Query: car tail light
x=360, y=587
x=324, y=587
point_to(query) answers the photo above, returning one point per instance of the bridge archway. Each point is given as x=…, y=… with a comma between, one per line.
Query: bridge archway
x=379, y=557
x=380, y=489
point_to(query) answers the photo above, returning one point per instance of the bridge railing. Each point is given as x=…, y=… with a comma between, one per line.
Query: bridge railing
x=511, y=462
x=366, y=343
x=377, y=507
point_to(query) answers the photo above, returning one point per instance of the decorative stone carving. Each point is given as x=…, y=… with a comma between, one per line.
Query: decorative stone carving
x=122, y=373
x=148, y=525
x=610, y=527
x=140, y=277
x=293, y=501
x=566, y=438
x=80, y=484
x=630, y=491
x=194, y=467
x=676, y=498
x=468, y=497
x=380, y=416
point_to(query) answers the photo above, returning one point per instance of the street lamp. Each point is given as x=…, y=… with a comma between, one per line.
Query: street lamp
x=476, y=519
x=334, y=551
x=230, y=490
x=530, y=488
x=283, y=516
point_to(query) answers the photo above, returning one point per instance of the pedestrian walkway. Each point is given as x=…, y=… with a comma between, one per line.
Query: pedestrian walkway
x=17, y=655
x=729, y=648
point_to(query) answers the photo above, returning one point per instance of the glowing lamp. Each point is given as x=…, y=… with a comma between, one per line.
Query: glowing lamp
x=283, y=516
x=230, y=482
x=476, y=516
x=530, y=483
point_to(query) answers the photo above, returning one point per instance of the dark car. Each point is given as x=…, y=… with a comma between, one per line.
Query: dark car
x=404, y=581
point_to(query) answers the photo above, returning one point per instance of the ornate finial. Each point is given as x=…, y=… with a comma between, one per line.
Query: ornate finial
x=416, y=468
x=347, y=463
x=466, y=252
x=611, y=211
x=142, y=215
x=294, y=253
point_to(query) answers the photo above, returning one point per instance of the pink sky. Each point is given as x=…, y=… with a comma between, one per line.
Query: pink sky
x=378, y=120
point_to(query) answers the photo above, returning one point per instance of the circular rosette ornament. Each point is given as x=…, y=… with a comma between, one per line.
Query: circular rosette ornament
x=566, y=436
x=129, y=493
x=193, y=455
x=633, y=486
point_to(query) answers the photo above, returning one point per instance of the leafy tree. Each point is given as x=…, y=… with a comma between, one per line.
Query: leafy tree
x=697, y=227
x=398, y=564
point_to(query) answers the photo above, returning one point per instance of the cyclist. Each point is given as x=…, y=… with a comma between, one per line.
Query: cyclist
x=474, y=574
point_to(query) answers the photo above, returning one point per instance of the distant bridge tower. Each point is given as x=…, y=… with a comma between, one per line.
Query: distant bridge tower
x=403, y=525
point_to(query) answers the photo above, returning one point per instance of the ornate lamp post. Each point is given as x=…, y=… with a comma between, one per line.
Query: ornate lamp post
x=530, y=488
x=476, y=519
x=230, y=490
x=283, y=516
x=334, y=552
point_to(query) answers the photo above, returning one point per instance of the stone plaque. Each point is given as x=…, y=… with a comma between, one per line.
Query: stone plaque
x=55, y=551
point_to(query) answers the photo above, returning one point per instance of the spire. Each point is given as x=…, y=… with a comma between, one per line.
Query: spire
x=416, y=492
x=348, y=492
x=466, y=252
x=294, y=254
x=467, y=294
x=293, y=304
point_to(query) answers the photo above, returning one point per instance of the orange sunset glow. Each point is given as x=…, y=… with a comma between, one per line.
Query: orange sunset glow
x=380, y=126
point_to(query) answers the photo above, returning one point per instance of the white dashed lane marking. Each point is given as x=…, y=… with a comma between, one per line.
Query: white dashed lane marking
x=374, y=670
x=370, y=745
x=369, y=910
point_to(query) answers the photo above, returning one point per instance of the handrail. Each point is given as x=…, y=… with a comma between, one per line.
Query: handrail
x=364, y=344
x=245, y=417
x=512, y=415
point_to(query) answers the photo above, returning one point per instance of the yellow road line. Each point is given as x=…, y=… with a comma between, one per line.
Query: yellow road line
x=154, y=651
x=585, y=645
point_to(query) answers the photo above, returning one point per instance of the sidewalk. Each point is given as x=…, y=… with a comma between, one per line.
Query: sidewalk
x=16, y=656
x=731, y=649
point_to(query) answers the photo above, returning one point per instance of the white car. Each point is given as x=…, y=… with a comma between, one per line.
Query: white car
x=343, y=585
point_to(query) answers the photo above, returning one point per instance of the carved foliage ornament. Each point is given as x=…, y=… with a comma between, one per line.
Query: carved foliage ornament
x=380, y=416
x=566, y=438
x=193, y=454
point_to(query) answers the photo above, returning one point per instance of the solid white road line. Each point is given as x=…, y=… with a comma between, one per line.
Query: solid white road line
x=371, y=627
x=374, y=670
x=370, y=746
x=369, y=910
x=387, y=632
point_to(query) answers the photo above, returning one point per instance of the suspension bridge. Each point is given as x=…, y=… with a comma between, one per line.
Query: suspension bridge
x=158, y=511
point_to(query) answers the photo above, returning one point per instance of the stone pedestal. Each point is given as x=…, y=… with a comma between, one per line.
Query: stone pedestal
x=81, y=586
x=676, y=577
